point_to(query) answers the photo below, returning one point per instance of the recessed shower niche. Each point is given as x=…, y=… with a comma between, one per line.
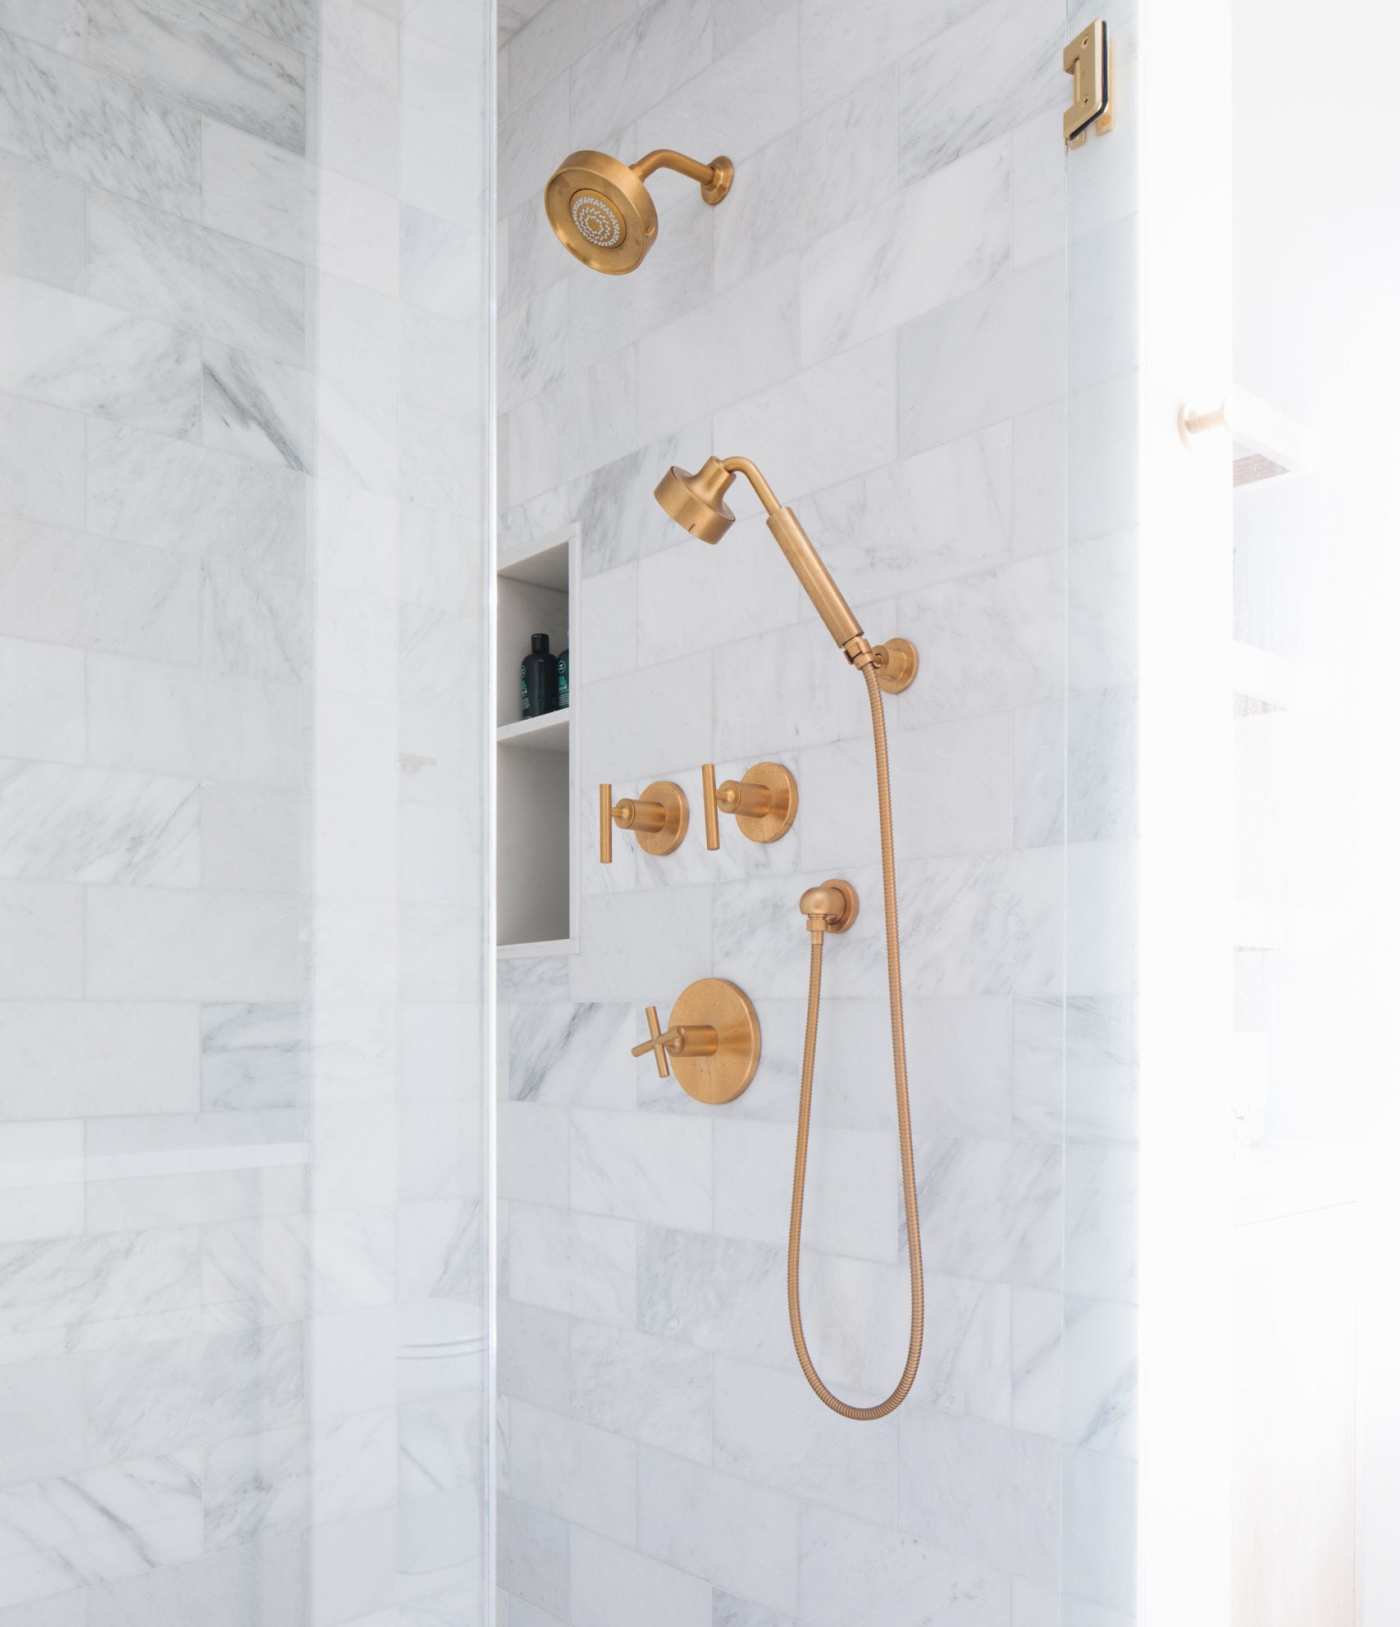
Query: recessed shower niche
x=536, y=873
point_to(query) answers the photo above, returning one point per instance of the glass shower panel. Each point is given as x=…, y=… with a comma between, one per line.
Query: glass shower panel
x=245, y=530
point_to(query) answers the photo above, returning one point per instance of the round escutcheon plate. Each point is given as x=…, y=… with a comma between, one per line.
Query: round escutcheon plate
x=723, y=1006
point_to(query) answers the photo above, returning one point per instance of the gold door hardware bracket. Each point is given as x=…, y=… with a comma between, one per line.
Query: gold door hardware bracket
x=712, y=1042
x=1089, y=59
x=764, y=803
x=659, y=818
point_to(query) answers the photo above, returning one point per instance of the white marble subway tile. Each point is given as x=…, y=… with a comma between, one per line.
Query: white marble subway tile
x=250, y=838
x=120, y=1520
x=940, y=513
x=440, y=1446
x=41, y=941
x=697, y=597
x=720, y=1294
x=1039, y=1364
x=1041, y=771
x=61, y=587
x=1102, y=612
x=960, y=1050
x=618, y=516
x=585, y=1475
x=63, y=823
x=841, y=47
x=533, y=1152
x=823, y=426
x=72, y=1282
x=607, y=612
x=256, y=408
x=438, y=264
x=985, y=926
x=256, y=191
x=169, y=720
x=1102, y=777
x=570, y=1055
x=1104, y=340
x=1040, y=479
x=759, y=938
x=1099, y=1565
x=267, y=1576
x=600, y=403
x=744, y=339
x=41, y=462
x=731, y=1611
x=77, y=353
x=931, y=243
x=648, y=1168
x=176, y=495
x=741, y=1536
x=57, y=24
x=774, y=696
x=513, y=15
x=982, y=1492
x=1101, y=1208
x=254, y=624
x=554, y=36
x=812, y=178
x=195, y=1198
x=1100, y=1385
x=41, y=222
x=995, y=67
x=98, y=128
x=991, y=1210
x=533, y=341
x=849, y=1568
x=771, y=1428
x=62, y=1059
x=441, y=1249
x=951, y=791
x=1076, y=1065
x=583, y=1264
x=441, y=1154
x=353, y=126
x=967, y=1365
x=658, y=49
x=612, y=1586
x=1102, y=466
x=42, y=709
x=256, y=1483
x=278, y=1268
x=535, y=1362
x=741, y=101
x=363, y=44
x=651, y=1390
x=532, y=1556
x=147, y=944
x=442, y=157
x=984, y=357
x=41, y=1404
x=1039, y=189
x=533, y=137
x=1100, y=918
x=228, y=73
x=156, y=265
x=852, y=1188
x=988, y=642
x=675, y=926
x=45, y=1211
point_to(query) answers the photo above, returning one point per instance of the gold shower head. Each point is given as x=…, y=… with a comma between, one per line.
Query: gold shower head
x=696, y=502
x=602, y=212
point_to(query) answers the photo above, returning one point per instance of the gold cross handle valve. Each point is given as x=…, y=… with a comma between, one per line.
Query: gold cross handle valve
x=712, y=1043
x=764, y=802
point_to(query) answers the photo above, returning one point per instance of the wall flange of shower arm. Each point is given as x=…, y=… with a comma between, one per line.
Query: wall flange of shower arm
x=602, y=212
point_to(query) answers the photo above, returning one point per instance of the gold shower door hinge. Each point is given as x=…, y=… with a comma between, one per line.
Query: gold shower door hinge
x=1088, y=58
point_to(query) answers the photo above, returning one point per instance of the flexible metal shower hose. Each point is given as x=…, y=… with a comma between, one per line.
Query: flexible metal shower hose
x=901, y=1096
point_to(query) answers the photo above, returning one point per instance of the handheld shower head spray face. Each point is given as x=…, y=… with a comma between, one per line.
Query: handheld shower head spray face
x=602, y=213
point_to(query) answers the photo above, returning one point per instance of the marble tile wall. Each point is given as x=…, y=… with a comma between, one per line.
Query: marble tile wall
x=918, y=319
x=243, y=539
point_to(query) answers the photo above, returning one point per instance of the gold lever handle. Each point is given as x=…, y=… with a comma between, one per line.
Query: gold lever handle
x=658, y=818
x=764, y=802
x=656, y=1043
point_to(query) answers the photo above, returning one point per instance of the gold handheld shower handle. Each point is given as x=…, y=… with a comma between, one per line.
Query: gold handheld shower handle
x=764, y=802
x=659, y=818
x=681, y=1039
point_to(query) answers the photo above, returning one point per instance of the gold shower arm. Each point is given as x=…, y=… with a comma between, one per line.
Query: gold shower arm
x=715, y=177
x=751, y=473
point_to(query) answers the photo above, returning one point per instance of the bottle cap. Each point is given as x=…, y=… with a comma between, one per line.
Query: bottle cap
x=539, y=643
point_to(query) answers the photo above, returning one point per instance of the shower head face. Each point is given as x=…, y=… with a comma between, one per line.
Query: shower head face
x=601, y=212
x=696, y=502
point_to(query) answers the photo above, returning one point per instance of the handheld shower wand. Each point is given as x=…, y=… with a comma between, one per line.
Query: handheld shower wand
x=696, y=502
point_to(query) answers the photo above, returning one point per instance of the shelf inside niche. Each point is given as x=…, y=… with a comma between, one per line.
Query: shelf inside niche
x=547, y=733
x=536, y=767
